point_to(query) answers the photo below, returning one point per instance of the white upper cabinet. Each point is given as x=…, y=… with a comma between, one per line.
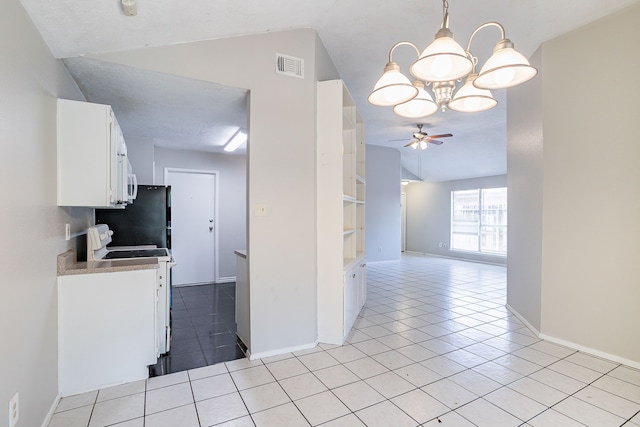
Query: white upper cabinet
x=93, y=167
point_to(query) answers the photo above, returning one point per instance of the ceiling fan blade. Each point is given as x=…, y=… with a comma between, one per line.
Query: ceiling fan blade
x=444, y=135
x=433, y=141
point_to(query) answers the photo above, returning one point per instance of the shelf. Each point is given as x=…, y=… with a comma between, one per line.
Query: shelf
x=346, y=262
x=340, y=174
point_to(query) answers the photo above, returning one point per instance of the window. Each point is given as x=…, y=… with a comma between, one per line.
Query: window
x=479, y=220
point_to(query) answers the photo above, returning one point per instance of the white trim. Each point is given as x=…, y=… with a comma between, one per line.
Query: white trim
x=331, y=340
x=601, y=354
x=523, y=320
x=216, y=203
x=280, y=351
x=228, y=279
x=574, y=346
x=479, y=261
x=52, y=410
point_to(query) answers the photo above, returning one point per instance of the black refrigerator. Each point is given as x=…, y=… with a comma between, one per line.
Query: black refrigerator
x=147, y=221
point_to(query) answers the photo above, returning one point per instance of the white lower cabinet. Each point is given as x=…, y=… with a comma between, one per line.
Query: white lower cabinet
x=354, y=294
x=362, y=283
x=336, y=324
x=106, y=329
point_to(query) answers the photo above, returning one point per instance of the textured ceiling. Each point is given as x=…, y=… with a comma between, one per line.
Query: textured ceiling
x=172, y=111
x=357, y=34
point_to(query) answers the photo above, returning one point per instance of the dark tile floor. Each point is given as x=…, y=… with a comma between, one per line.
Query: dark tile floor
x=203, y=327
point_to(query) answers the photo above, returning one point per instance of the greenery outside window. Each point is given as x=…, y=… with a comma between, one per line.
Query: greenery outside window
x=479, y=221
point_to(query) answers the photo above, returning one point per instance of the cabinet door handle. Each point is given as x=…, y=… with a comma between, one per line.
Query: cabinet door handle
x=353, y=276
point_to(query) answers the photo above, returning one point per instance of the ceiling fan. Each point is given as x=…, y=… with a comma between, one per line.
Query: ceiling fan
x=420, y=139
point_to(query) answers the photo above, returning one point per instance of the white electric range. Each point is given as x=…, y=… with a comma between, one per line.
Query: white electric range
x=98, y=238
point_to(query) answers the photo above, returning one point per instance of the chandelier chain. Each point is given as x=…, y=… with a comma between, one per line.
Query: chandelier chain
x=445, y=7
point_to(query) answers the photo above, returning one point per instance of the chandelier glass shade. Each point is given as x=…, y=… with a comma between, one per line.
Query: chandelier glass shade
x=392, y=88
x=442, y=63
x=470, y=99
x=505, y=68
x=420, y=106
x=443, y=60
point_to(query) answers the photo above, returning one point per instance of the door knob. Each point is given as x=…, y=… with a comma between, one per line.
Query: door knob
x=210, y=220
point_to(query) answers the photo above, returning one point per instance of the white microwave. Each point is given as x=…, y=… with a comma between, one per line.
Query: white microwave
x=127, y=186
x=132, y=183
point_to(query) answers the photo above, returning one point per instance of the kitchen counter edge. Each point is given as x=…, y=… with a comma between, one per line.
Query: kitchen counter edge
x=67, y=265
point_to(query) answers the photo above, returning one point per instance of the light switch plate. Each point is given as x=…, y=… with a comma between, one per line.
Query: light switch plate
x=260, y=209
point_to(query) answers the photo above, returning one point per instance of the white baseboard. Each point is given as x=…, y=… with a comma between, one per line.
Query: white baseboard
x=601, y=354
x=331, y=340
x=280, y=351
x=479, y=261
x=52, y=410
x=523, y=320
x=228, y=279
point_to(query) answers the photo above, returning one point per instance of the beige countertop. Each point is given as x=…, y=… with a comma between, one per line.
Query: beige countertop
x=67, y=265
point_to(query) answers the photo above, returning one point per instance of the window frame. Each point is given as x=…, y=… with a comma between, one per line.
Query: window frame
x=480, y=222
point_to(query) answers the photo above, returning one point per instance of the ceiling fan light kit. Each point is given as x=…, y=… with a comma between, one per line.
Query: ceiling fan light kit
x=442, y=63
x=421, y=140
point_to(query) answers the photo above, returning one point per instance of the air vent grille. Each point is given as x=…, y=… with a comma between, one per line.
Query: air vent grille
x=289, y=65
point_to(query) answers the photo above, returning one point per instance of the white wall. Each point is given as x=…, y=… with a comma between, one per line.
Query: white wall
x=524, y=188
x=429, y=216
x=383, y=213
x=282, y=245
x=590, y=187
x=232, y=186
x=590, y=272
x=32, y=225
x=141, y=156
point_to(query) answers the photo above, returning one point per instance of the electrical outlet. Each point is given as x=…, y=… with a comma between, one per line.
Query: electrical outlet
x=67, y=231
x=14, y=410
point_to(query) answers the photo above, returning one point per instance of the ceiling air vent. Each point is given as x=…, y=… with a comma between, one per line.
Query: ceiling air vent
x=289, y=65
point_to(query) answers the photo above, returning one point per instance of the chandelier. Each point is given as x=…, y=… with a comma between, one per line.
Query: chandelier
x=442, y=63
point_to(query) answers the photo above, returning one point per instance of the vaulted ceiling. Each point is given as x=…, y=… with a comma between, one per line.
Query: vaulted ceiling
x=357, y=34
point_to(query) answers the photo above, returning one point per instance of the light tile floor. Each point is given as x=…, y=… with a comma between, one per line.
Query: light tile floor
x=434, y=346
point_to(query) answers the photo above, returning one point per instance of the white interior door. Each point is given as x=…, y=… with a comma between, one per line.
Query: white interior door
x=193, y=225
